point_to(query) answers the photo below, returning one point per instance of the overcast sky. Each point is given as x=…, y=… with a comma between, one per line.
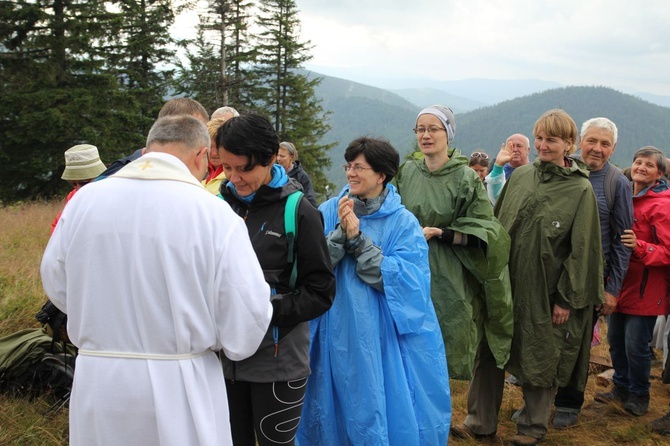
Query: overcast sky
x=615, y=43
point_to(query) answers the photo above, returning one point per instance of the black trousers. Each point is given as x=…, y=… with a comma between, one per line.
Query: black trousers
x=265, y=412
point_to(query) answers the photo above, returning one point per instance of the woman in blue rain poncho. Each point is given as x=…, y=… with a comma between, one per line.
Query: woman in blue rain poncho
x=379, y=370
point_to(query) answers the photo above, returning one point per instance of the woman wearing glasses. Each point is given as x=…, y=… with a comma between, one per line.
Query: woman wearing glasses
x=379, y=371
x=468, y=253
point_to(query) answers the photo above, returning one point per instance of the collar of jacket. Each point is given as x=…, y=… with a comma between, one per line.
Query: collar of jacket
x=548, y=170
x=456, y=161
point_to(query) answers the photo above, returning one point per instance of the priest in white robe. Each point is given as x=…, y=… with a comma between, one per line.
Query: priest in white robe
x=155, y=275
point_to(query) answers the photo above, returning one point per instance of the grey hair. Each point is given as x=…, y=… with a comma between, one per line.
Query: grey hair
x=656, y=154
x=183, y=129
x=223, y=111
x=600, y=123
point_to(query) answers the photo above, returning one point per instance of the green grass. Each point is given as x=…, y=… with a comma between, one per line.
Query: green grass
x=24, y=233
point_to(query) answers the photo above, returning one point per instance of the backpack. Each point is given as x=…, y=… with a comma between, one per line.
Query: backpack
x=611, y=178
x=291, y=229
x=32, y=365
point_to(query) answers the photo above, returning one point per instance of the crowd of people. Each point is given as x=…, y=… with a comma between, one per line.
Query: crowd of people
x=224, y=306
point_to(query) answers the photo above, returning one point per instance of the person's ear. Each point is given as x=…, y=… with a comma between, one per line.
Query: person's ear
x=202, y=156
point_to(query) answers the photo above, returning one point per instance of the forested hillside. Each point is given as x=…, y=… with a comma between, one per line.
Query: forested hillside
x=358, y=110
x=639, y=122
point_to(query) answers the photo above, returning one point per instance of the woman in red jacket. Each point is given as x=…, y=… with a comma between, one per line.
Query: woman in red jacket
x=646, y=287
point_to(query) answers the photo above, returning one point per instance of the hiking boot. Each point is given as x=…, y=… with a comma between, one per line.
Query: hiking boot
x=524, y=440
x=661, y=425
x=616, y=395
x=463, y=431
x=637, y=405
x=564, y=419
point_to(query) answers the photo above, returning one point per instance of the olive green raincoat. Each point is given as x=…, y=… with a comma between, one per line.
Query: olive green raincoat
x=551, y=214
x=470, y=287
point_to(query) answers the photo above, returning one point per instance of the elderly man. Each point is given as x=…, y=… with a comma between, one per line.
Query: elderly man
x=173, y=107
x=597, y=141
x=155, y=275
x=514, y=153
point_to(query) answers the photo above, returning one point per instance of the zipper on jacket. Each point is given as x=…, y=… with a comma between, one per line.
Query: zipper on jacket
x=259, y=232
x=275, y=329
x=275, y=337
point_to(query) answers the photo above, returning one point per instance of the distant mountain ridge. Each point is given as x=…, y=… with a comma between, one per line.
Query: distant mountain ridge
x=362, y=110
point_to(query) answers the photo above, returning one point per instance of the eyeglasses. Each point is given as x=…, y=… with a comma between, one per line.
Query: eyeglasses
x=356, y=168
x=430, y=130
x=481, y=155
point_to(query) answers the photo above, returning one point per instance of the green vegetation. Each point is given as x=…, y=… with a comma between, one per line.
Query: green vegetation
x=359, y=110
x=98, y=71
x=640, y=123
x=24, y=235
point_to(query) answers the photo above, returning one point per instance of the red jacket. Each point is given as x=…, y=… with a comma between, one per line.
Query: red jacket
x=646, y=287
x=67, y=199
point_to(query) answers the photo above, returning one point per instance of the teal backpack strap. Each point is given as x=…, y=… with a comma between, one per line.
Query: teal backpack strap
x=291, y=228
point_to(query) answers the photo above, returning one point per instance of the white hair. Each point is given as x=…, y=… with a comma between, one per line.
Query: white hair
x=221, y=112
x=600, y=123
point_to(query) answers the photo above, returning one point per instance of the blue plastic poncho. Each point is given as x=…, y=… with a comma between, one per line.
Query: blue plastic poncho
x=379, y=370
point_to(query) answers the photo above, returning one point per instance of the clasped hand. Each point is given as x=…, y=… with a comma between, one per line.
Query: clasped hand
x=348, y=221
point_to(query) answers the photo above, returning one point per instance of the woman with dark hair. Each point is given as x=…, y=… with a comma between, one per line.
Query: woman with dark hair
x=379, y=370
x=644, y=292
x=480, y=162
x=288, y=158
x=266, y=391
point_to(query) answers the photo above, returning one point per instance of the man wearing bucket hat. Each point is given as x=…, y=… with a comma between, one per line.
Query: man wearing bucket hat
x=82, y=165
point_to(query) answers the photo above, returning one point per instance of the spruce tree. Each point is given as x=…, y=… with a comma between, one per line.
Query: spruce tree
x=142, y=46
x=286, y=92
x=216, y=72
x=56, y=91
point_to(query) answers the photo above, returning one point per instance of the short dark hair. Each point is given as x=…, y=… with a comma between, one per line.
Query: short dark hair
x=249, y=135
x=378, y=152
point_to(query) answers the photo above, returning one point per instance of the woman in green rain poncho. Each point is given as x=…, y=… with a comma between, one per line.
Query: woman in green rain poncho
x=468, y=248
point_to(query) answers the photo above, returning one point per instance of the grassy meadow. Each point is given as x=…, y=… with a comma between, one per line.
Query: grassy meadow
x=24, y=232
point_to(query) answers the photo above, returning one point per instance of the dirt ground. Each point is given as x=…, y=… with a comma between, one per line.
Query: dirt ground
x=599, y=424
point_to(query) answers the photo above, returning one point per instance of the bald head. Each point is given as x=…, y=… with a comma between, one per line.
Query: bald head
x=225, y=113
x=520, y=147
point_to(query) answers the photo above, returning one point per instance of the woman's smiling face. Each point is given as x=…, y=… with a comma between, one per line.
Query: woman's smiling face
x=551, y=149
x=246, y=182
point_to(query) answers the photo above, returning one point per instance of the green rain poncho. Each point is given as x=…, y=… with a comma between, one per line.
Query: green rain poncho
x=551, y=214
x=469, y=286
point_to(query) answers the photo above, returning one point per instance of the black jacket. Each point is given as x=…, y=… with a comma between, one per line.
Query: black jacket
x=301, y=176
x=315, y=286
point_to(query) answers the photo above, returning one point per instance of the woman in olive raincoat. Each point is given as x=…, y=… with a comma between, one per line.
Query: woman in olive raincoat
x=468, y=248
x=550, y=212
